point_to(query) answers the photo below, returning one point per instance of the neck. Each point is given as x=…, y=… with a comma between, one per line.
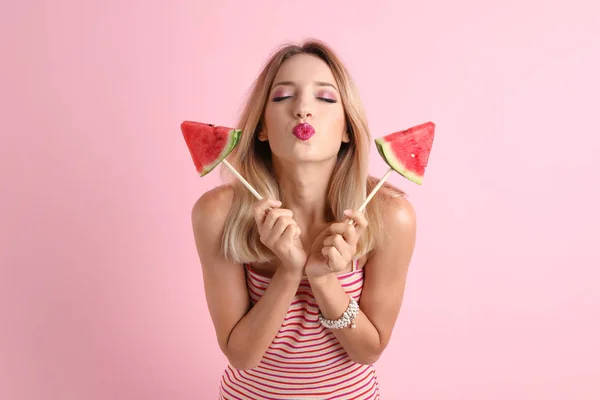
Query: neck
x=304, y=189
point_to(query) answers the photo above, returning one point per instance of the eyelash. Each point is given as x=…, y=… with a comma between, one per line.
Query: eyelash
x=278, y=99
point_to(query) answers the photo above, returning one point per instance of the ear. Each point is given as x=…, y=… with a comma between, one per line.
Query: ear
x=262, y=136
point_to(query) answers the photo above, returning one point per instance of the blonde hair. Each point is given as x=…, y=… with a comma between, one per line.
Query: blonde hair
x=349, y=183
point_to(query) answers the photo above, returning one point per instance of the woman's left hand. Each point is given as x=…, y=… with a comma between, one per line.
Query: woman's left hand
x=335, y=247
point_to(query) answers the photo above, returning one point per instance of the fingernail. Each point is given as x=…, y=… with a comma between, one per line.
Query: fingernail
x=347, y=212
x=277, y=203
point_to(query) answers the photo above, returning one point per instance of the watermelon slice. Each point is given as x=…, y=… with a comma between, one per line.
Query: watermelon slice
x=407, y=151
x=209, y=144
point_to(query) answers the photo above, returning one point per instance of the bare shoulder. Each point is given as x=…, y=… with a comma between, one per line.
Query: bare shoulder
x=399, y=216
x=211, y=209
x=209, y=214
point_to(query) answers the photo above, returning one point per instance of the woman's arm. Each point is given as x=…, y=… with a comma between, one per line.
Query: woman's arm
x=244, y=334
x=383, y=289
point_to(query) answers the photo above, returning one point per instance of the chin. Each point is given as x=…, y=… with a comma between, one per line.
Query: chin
x=303, y=157
x=310, y=150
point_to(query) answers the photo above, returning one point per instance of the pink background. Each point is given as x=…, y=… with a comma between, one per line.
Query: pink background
x=100, y=288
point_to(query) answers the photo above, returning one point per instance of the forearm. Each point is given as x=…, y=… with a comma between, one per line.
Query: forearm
x=253, y=334
x=362, y=343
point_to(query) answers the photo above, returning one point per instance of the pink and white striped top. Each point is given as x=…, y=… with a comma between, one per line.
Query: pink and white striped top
x=305, y=360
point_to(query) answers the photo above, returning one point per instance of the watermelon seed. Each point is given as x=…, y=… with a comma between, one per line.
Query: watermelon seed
x=412, y=155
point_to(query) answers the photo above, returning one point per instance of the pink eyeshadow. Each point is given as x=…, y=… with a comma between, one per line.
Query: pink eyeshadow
x=327, y=95
x=280, y=93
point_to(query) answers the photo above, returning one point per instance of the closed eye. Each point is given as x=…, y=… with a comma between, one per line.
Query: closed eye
x=327, y=99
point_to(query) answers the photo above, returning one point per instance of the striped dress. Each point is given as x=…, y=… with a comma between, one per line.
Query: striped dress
x=305, y=360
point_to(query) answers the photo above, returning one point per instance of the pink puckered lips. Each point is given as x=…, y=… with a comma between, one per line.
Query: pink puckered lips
x=303, y=131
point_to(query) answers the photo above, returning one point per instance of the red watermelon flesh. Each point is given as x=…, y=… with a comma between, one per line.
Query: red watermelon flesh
x=407, y=151
x=209, y=144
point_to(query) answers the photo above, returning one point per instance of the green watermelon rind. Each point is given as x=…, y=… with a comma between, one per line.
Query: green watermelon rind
x=385, y=150
x=233, y=140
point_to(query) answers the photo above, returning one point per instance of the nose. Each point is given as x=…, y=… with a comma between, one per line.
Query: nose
x=303, y=114
x=302, y=107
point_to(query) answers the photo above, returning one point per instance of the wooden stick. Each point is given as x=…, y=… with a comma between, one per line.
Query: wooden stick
x=375, y=189
x=241, y=178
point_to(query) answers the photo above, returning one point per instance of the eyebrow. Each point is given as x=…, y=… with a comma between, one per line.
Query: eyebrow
x=290, y=83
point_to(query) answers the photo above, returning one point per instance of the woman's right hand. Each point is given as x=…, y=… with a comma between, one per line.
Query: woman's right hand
x=281, y=234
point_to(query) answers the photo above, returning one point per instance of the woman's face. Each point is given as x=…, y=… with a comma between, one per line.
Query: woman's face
x=304, y=91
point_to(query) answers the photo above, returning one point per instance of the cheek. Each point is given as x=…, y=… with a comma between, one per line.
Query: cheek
x=270, y=120
x=273, y=115
x=268, y=113
x=337, y=122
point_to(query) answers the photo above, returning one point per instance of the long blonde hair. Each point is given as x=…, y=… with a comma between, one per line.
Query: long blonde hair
x=349, y=183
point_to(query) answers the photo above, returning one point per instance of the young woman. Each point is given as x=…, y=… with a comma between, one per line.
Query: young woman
x=303, y=302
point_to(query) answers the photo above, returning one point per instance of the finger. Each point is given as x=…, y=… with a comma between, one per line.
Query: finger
x=260, y=208
x=350, y=235
x=290, y=233
x=360, y=221
x=348, y=231
x=280, y=226
x=335, y=261
x=274, y=216
x=329, y=240
x=298, y=232
x=338, y=227
x=342, y=247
